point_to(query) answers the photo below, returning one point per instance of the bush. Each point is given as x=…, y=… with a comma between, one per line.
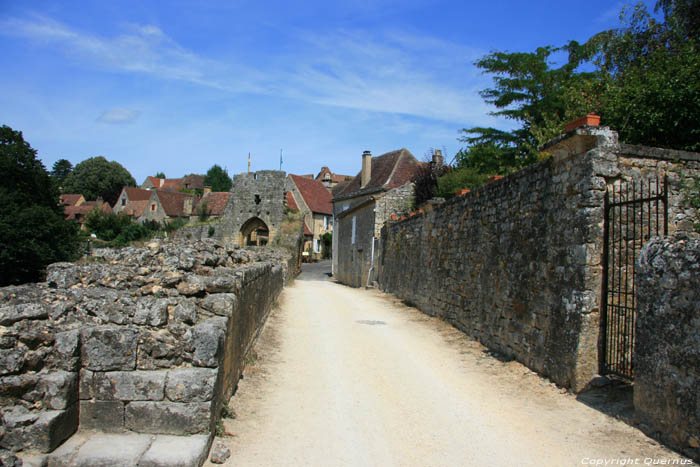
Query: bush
x=458, y=179
x=211, y=230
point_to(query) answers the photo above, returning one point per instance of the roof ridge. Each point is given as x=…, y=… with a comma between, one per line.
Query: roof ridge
x=393, y=169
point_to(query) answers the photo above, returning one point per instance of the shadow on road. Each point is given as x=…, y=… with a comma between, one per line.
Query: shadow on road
x=320, y=271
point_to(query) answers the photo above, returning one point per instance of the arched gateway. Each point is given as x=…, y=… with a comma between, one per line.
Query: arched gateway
x=254, y=232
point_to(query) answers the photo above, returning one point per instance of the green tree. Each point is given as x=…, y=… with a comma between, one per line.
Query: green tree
x=457, y=179
x=33, y=232
x=160, y=175
x=62, y=168
x=98, y=177
x=218, y=179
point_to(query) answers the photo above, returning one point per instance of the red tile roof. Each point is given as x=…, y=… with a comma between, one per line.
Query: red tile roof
x=137, y=194
x=335, y=178
x=315, y=195
x=135, y=208
x=389, y=171
x=216, y=202
x=307, y=230
x=82, y=210
x=291, y=202
x=71, y=199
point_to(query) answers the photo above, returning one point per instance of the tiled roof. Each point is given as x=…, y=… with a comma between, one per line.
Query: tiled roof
x=389, y=171
x=291, y=202
x=335, y=178
x=193, y=181
x=216, y=202
x=315, y=195
x=336, y=190
x=135, y=208
x=155, y=181
x=70, y=199
x=307, y=230
x=137, y=194
x=172, y=184
x=173, y=203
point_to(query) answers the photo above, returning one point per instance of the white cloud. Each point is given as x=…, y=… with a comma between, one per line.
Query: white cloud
x=392, y=72
x=119, y=115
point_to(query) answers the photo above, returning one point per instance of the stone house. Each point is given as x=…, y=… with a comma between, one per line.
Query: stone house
x=155, y=205
x=313, y=199
x=382, y=188
x=329, y=179
x=76, y=208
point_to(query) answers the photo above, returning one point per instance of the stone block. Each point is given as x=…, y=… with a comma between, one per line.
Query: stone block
x=66, y=350
x=109, y=347
x=208, y=341
x=10, y=314
x=222, y=304
x=86, y=385
x=192, y=285
x=176, y=451
x=185, y=312
x=152, y=312
x=62, y=275
x=51, y=428
x=130, y=385
x=219, y=284
x=11, y=361
x=191, y=384
x=170, y=418
x=63, y=455
x=102, y=415
x=59, y=389
x=112, y=450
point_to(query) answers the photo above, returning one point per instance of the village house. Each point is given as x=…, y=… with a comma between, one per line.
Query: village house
x=382, y=188
x=155, y=205
x=313, y=200
x=76, y=208
x=329, y=179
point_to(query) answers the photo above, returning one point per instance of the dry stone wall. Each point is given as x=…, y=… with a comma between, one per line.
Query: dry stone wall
x=517, y=263
x=145, y=339
x=667, y=348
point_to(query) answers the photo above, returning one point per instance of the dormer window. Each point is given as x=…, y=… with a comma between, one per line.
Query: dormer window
x=153, y=207
x=327, y=176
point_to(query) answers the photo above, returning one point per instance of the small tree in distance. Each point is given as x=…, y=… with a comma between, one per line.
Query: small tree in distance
x=218, y=179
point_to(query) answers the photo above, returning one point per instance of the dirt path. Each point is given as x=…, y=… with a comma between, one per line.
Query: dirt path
x=352, y=377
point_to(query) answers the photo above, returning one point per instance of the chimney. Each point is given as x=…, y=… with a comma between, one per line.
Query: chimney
x=206, y=189
x=366, y=173
x=438, y=160
x=187, y=205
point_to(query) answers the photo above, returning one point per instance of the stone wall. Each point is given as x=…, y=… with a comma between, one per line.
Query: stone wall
x=667, y=350
x=517, y=263
x=146, y=339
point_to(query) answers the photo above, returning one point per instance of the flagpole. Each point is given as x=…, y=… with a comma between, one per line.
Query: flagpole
x=248, y=162
x=280, y=158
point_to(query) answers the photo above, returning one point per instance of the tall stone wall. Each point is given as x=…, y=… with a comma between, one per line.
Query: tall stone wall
x=150, y=340
x=667, y=350
x=517, y=263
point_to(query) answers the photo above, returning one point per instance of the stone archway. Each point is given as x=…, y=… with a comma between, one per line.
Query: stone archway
x=254, y=232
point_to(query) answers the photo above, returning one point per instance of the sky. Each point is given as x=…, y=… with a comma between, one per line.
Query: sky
x=178, y=86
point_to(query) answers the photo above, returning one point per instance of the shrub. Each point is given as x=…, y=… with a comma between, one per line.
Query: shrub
x=457, y=179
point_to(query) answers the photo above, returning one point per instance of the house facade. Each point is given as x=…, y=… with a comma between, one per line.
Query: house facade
x=193, y=182
x=313, y=199
x=383, y=187
x=154, y=205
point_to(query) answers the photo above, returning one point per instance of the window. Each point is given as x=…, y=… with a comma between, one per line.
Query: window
x=316, y=249
x=153, y=207
x=123, y=201
x=353, y=231
x=325, y=222
x=327, y=176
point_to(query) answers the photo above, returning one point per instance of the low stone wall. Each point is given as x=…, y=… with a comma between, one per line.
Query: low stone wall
x=149, y=339
x=667, y=346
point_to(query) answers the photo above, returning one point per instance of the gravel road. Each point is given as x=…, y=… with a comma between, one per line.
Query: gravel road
x=344, y=376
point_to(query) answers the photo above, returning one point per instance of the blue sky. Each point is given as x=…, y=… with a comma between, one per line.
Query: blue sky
x=181, y=85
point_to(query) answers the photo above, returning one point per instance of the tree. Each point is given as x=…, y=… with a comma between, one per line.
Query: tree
x=160, y=175
x=33, y=232
x=62, y=168
x=98, y=177
x=218, y=179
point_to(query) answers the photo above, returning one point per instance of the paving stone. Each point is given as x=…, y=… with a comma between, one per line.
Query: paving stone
x=176, y=451
x=102, y=415
x=112, y=450
x=33, y=459
x=170, y=418
x=64, y=454
x=130, y=385
x=191, y=384
x=109, y=347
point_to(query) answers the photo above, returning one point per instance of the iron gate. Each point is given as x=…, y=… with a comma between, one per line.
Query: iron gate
x=634, y=212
